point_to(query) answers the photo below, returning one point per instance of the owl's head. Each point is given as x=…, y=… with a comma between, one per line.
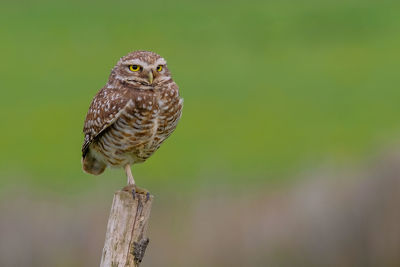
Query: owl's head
x=141, y=67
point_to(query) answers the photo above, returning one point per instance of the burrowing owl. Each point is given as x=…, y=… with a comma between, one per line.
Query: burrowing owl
x=132, y=115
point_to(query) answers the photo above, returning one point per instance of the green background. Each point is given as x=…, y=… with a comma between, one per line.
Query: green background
x=269, y=86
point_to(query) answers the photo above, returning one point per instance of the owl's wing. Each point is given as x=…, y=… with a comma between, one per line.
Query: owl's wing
x=104, y=110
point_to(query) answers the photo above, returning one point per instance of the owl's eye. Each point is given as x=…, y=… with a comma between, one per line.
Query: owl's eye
x=134, y=67
x=159, y=68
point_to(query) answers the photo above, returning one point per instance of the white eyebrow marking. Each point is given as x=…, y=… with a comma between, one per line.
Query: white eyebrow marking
x=135, y=62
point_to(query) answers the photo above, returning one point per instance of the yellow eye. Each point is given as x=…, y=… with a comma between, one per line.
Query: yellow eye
x=134, y=67
x=159, y=68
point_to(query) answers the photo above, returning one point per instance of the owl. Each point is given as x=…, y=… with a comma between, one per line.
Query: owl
x=134, y=113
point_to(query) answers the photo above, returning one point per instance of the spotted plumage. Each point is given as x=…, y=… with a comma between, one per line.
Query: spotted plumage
x=132, y=115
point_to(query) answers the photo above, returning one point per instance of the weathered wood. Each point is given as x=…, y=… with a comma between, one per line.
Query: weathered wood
x=126, y=239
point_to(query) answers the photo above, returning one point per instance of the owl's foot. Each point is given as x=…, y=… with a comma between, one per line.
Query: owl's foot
x=136, y=190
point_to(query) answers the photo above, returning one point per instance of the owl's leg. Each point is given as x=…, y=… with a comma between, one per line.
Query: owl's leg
x=131, y=187
x=129, y=175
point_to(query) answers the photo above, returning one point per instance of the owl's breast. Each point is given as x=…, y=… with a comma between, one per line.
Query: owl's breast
x=170, y=111
x=141, y=127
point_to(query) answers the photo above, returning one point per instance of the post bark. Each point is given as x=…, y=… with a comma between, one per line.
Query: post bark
x=126, y=239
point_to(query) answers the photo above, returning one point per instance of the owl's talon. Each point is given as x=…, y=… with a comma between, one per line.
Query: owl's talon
x=133, y=193
x=134, y=190
x=131, y=188
x=143, y=191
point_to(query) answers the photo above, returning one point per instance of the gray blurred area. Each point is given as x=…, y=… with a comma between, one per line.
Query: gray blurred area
x=326, y=218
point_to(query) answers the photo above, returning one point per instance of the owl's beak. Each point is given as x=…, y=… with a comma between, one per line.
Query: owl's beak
x=150, y=77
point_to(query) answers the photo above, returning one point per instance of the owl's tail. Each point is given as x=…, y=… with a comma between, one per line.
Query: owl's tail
x=91, y=165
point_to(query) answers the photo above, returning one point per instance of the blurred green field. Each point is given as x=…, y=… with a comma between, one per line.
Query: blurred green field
x=270, y=87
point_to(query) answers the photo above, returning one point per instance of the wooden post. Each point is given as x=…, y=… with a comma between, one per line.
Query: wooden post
x=126, y=239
